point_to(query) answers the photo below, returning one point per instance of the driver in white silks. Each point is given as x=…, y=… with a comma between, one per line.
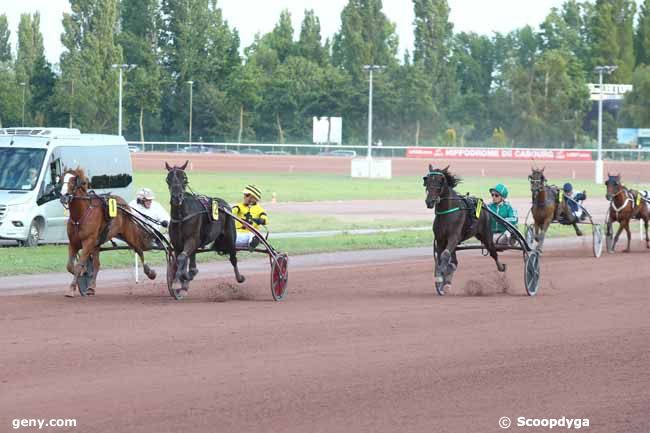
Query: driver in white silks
x=145, y=203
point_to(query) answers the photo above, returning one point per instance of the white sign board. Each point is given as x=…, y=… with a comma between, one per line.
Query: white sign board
x=610, y=91
x=328, y=130
x=371, y=168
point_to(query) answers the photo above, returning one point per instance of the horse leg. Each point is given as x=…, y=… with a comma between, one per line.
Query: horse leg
x=618, y=233
x=629, y=236
x=150, y=273
x=233, y=261
x=73, y=250
x=542, y=236
x=447, y=266
x=93, y=281
x=193, y=269
x=645, y=225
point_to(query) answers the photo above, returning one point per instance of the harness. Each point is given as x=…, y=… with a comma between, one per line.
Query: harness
x=629, y=198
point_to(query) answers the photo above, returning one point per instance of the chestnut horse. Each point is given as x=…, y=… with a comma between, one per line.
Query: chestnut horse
x=89, y=226
x=454, y=223
x=624, y=205
x=545, y=205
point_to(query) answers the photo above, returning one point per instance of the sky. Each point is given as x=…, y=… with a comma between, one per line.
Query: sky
x=259, y=16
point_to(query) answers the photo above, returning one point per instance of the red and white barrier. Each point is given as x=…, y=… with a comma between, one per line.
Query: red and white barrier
x=495, y=153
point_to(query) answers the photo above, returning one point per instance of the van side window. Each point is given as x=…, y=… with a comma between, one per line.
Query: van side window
x=109, y=182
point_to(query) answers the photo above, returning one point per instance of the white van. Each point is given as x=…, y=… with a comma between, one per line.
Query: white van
x=32, y=161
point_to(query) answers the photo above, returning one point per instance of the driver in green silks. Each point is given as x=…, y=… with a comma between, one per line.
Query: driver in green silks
x=501, y=207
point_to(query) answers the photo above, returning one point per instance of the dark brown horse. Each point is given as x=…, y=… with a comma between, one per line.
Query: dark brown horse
x=89, y=226
x=624, y=205
x=192, y=228
x=546, y=207
x=454, y=223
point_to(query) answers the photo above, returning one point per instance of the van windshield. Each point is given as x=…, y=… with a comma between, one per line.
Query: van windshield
x=20, y=167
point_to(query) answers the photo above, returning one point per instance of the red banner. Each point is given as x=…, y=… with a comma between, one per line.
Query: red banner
x=482, y=153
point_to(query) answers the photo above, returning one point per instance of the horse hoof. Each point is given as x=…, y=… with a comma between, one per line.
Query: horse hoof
x=151, y=274
x=90, y=291
x=70, y=294
x=446, y=288
x=182, y=293
x=502, y=267
x=193, y=273
x=241, y=279
x=627, y=250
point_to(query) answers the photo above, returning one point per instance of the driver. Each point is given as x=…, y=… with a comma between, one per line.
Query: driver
x=501, y=207
x=253, y=213
x=576, y=201
x=145, y=203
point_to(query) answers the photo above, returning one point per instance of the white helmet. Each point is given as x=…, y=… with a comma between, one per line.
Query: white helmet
x=145, y=194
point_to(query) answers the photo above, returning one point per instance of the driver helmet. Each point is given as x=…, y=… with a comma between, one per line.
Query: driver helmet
x=567, y=188
x=500, y=189
x=145, y=194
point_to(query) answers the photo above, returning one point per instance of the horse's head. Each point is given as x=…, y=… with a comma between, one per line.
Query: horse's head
x=177, y=182
x=537, y=180
x=438, y=183
x=74, y=184
x=614, y=186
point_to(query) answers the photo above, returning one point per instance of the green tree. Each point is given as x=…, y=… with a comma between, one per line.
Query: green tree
x=10, y=97
x=310, y=43
x=366, y=37
x=5, y=35
x=642, y=37
x=139, y=40
x=89, y=38
x=636, y=110
x=613, y=36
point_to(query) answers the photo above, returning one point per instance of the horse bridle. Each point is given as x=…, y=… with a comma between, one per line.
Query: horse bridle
x=177, y=194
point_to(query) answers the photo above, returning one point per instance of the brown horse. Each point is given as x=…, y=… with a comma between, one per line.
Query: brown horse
x=545, y=206
x=624, y=205
x=89, y=226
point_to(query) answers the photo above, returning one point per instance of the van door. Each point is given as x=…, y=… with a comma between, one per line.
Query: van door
x=50, y=206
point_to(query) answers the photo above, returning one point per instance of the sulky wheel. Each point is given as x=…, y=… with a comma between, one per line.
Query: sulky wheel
x=173, y=285
x=83, y=282
x=597, y=235
x=279, y=276
x=531, y=272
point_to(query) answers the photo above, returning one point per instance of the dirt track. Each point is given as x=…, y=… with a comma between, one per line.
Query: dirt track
x=361, y=348
x=633, y=172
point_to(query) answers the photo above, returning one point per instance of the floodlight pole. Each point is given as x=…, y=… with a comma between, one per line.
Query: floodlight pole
x=189, y=137
x=600, y=70
x=120, y=68
x=370, y=69
x=23, y=85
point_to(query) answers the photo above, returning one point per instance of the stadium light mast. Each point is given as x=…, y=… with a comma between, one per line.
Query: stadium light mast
x=191, y=84
x=120, y=68
x=600, y=70
x=23, y=85
x=371, y=69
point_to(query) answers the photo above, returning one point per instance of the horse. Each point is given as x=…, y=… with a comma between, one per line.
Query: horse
x=624, y=205
x=547, y=207
x=90, y=225
x=191, y=227
x=454, y=223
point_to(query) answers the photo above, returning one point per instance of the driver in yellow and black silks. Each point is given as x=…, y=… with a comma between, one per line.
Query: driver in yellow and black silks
x=251, y=211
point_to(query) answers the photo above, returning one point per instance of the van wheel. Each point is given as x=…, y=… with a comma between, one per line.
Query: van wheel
x=33, y=236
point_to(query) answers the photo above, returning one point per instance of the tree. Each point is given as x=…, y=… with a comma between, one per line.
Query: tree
x=366, y=37
x=10, y=97
x=33, y=69
x=613, y=36
x=310, y=43
x=5, y=34
x=642, y=37
x=139, y=40
x=89, y=38
x=636, y=110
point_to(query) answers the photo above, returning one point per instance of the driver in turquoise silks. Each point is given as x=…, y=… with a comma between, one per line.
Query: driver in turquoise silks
x=501, y=207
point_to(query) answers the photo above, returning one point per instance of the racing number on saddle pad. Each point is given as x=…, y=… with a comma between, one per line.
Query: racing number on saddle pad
x=561, y=197
x=112, y=207
x=638, y=200
x=215, y=211
x=479, y=208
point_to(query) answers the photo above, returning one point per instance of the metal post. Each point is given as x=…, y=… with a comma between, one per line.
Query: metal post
x=23, y=86
x=191, y=83
x=370, y=115
x=599, y=160
x=119, y=112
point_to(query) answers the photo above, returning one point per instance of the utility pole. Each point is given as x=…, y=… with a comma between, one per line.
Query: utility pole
x=23, y=85
x=371, y=69
x=119, y=112
x=600, y=70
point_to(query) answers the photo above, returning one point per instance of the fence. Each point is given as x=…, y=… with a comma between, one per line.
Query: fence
x=379, y=151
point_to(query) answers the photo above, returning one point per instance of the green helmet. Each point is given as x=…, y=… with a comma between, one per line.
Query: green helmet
x=501, y=190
